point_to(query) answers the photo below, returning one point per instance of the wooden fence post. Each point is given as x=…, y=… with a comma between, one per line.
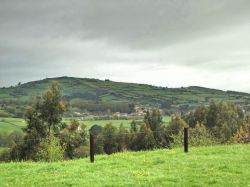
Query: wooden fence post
x=92, y=147
x=185, y=139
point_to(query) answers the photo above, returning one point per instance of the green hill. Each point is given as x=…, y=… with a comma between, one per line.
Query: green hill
x=90, y=94
x=226, y=165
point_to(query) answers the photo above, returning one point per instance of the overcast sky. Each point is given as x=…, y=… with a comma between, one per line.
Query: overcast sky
x=169, y=43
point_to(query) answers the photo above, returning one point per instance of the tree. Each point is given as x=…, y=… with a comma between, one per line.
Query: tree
x=47, y=111
x=133, y=134
x=243, y=133
x=109, y=134
x=198, y=136
x=123, y=138
x=176, y=124
x=73, y=136
x=145, y=139
x=43, y=116
x=223, y=119
x=50, y=150
x=199, y=115
x=133, y=127
x=52, y=107
x=153, y=120
x=131, y=107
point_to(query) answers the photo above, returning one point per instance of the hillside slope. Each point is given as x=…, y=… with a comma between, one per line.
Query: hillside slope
x=110, y=92
x=226, y=165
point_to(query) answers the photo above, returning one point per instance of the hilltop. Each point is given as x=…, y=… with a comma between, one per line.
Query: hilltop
x=88, y=94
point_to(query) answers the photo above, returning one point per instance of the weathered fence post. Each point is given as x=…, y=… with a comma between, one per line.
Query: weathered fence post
x=92, y=147
x=185, y=139
x=93, y=133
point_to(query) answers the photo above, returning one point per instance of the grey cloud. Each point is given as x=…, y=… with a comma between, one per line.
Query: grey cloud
x=125, y=40
x=136, y=23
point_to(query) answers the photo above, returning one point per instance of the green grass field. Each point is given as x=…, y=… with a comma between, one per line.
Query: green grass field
x=2, y=149
x=226, y=165
x=117, y=123
x=8, y=125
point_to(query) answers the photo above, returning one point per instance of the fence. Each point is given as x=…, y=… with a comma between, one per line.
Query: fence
x=187, y=137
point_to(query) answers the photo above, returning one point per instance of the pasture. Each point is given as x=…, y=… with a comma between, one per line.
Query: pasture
x=8, y=125
x=224, y=165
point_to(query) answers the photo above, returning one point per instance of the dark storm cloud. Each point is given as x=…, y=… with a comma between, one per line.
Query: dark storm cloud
x=117, y=38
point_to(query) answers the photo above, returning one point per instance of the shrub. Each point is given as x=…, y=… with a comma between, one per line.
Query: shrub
x=5, y=155
x=176, y=124
x=223, y=118
x=123, y=138
x=144, y=140
x=99, y=144
x=242, y=135
x=198, y=136
x=73, y=136
x=5, y=114
x=109, y=134
x=82, y=151
x=50, y=150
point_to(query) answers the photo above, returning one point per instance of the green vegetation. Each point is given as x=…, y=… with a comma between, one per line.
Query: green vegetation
x=204, y=166
x=223, y=119
x=116, y=123
x=44, y=119
x=51, y=138
x=2, y=149
x=143, y=135
x=102, y=123
x=92, y=95
x=46, y=135
x=243, y=133
x=50, y=150
x=9, y=125
x=209, y=125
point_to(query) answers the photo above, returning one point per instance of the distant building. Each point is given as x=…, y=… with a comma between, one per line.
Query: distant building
x=117, y=114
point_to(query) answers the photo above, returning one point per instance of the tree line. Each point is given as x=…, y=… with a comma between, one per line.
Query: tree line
x=47, y=138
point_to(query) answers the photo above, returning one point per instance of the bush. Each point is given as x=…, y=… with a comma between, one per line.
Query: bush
x=242, y=135
x=109, y=134
x=73, y=136
x=223, y=118
x=144, y=139
x=82, y=151
x=5, y=155
x=5, y=114
x=198, y=136
x=176, y=124
x=50, y=150
x=99, y=144
x=10, y=140
x=123, y=138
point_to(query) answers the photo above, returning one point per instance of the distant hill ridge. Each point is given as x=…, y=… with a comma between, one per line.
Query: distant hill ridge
x=110, y=91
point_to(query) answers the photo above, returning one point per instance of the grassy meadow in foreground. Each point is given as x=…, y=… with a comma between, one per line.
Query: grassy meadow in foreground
x=226, y=165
